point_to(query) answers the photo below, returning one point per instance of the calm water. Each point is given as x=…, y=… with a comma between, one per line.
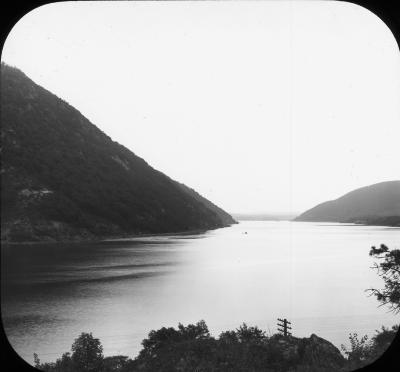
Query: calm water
x=313, y=274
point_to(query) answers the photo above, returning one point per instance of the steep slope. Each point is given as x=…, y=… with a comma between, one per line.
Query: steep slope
x=376, y=204
x=224, y=216
x=63, y=178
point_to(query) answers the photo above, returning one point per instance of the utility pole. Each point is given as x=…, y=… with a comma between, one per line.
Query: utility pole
x=283, y=323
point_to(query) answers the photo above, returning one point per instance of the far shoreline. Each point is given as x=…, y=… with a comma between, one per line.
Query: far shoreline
x=351, y=223
x=127, y=237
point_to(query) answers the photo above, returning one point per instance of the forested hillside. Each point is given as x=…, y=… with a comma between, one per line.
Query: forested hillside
x=378, y=204
x=63, y=178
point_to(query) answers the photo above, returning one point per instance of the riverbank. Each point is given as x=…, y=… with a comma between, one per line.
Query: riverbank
x=108, y=238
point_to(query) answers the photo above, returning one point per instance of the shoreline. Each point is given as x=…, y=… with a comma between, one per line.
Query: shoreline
x=350, y=223
x=126, y=237
x=112, y=238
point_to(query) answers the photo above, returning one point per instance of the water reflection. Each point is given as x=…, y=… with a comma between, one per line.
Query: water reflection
x=313, y=274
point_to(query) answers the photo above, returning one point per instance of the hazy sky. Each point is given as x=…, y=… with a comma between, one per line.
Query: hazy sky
x=268, y=106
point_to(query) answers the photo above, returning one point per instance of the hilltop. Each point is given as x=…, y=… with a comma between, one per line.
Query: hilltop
x=377, y=204
x=64, y=179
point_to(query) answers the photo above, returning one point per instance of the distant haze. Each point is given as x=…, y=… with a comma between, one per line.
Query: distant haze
x=262, y=107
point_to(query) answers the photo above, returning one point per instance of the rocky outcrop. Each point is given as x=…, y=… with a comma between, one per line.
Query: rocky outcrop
x=308, y=354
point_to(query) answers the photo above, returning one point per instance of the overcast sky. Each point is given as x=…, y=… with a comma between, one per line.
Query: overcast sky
x=262, y=107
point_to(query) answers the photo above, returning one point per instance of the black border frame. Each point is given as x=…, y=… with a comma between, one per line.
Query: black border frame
x=13, y=11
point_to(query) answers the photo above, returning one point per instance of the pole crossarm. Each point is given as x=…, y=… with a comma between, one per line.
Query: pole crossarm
x=283, y=327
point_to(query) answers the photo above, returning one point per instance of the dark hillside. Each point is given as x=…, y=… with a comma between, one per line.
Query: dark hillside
x=378, y=204
x=224, y=216
x=64, y=178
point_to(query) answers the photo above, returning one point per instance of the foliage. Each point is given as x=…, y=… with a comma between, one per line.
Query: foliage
x=363, y=352
x=250, y=334
x=63, y=364
x=247, y=348
x=118, y=363
x=168, y=347
x=87, y=353
x=192, y=348
x=389, y=271
x=87, y=356
x=359, y=353
x=96, y=184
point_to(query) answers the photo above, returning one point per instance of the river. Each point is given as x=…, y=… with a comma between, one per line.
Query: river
x=313, y=274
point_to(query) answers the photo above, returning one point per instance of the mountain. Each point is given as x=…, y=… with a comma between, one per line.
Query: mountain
x=378, y=204
x=63, y=178
x=226, y=218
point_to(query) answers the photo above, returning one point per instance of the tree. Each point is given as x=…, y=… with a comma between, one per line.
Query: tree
x=187, y=348
x=363, y=351
x=87, y=353
x=389, y=271
x=117, y=363
x=360, y=351
x=164, y=337
x=248, y=334
x=36, y=360
x=64, y=364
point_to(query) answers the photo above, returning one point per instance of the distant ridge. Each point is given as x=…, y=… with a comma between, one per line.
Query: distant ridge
x=377, y=204
x=263, y=216
x=64, y=179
